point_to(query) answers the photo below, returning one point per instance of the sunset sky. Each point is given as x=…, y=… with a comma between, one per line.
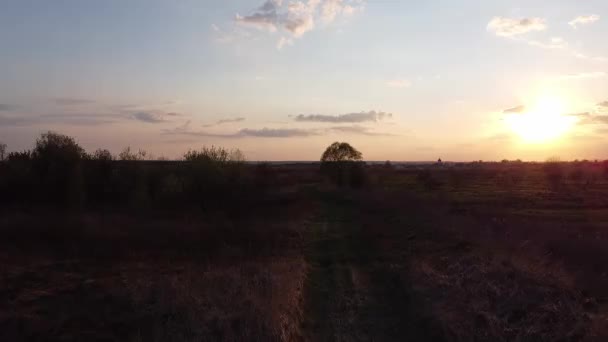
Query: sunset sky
x=281, y=80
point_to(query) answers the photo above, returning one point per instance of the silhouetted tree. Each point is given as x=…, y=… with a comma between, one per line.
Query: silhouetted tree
x=127, y=155
x=340, y=152
x=19, y=156
x=342, y=164
x=57, y=162
x=102, y=155
x=214, y=154
x=2, y=151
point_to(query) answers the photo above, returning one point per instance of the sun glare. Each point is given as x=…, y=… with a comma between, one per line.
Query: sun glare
x=544, y=122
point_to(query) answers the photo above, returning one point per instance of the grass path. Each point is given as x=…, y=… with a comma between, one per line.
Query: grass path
x=355, y=292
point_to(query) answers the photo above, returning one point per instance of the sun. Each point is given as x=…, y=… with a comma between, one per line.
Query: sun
x=546, y=121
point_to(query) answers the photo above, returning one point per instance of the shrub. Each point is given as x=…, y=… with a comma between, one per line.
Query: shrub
x=213, y=174
x=127, y=155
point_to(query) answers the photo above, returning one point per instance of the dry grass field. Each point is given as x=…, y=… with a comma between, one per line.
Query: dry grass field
x=498, y=252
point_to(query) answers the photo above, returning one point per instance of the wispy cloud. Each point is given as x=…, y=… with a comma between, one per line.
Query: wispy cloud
x=225, y=121
x=148, y=117
x=359, y=130
x=154, y=116
x=371, y=116
x=593, y=119
x=71, y=101
x=516, y=30
x=277, y=132
x=81, y=119
x=266, y=132
x=70, y=119
x=296, y=18
x=583, y=20
x=518, y=109
x=399, y=83
x=509, y=27
x=245, y=132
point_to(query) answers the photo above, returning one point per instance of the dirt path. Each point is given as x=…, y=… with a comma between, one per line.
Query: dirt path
x=355, y=292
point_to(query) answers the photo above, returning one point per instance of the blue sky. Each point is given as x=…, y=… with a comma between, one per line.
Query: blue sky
x=400, y=80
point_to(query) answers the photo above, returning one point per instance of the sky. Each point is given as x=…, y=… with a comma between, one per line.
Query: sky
x=281, y=79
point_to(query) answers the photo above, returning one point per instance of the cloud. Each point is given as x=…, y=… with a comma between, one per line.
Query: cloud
x=296, y=18
x=583, y=75
x=583, y=20
x=300, y=17
x=245, y=132
x=603, y=104
x=80, y=119
x=358, y=130
x=598, y=119
x=399, y=83
x=331, y=9
x=588, y=119
x=515, y=29
x=76, y=119
x=518, y=109
x=580, y=115
x=509, y=27
x=154, y=116
x=185, y=129
x=225, y=121
x=70, y=101
x=277, y=132
x=265, y=18
x=371, y=116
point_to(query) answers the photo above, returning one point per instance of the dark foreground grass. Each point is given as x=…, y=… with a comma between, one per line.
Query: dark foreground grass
x=453, y=254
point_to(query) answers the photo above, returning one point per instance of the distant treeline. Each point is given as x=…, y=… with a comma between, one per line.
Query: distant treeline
x=57, y=171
